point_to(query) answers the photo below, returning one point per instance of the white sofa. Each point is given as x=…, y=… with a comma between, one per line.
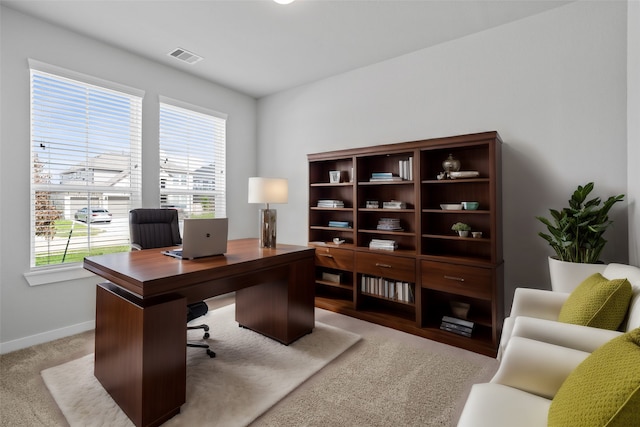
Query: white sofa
x=520, y=393
x=534, y=315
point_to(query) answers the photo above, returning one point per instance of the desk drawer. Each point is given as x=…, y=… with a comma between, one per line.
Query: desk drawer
x=457, y=279
x=341, y=259
x=392, y=267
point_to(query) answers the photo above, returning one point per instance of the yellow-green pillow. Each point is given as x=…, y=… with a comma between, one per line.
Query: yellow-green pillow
x=597, y=302
x=604, y=390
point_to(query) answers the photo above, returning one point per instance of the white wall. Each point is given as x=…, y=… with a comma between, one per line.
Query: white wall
x=35, y=314
x=553, y=85
x=633, y=126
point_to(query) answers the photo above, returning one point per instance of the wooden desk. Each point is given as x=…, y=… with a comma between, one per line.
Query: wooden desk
x=140, y=344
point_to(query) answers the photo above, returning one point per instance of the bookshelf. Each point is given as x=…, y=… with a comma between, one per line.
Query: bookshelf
x=385, y=251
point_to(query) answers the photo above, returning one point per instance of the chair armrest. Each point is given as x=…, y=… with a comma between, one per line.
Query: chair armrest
x=578, y=337
x=536, y=367
x=537, y=303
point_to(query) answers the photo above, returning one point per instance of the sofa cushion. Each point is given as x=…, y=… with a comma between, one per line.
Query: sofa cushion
x=491, y=405
x=604, y=390
x=632, y=274
x=597, y=302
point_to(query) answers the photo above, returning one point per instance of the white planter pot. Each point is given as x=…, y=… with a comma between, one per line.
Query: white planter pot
x=565, y=276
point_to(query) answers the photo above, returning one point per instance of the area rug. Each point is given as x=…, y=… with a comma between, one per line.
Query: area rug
x=250, y=374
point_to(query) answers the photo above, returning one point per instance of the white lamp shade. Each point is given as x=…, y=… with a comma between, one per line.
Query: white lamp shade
x=268, y=190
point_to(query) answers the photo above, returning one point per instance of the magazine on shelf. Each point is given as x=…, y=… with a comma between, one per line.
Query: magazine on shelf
x=455, y=320
x=389, y=224
x=340, y=224
x=394, y=204
x=388, y=245
x=330, y=204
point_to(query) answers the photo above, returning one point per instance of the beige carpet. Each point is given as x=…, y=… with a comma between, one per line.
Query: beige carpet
x=250, y=374
x=25, y=400
x=387, y=385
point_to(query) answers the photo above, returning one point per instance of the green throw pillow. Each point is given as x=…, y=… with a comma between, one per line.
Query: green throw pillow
x=597, y=302
x=604, y=390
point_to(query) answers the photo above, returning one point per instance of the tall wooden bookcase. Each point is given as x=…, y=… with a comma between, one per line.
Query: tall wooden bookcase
x=393, y=192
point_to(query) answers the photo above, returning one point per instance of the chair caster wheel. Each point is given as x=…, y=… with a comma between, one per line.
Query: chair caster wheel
x=211, y=354
x=206, y=328
x=206, y=335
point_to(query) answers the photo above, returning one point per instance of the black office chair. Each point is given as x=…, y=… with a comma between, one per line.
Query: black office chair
x=157, y=228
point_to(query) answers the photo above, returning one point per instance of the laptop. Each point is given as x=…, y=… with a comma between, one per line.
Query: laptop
x=201, y=238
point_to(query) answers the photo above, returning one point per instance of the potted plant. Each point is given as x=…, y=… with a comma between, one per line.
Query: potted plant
x=461, y=228
x=576, y=236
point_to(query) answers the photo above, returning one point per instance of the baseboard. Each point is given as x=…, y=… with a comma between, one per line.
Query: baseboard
x=9, y=346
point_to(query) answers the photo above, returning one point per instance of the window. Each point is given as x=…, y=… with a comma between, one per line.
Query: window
x=192, y=160
x=85, y=146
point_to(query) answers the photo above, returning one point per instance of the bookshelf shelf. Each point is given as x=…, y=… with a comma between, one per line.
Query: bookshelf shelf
x=405, y=175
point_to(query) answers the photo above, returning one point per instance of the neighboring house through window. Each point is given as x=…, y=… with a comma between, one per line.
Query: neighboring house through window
x=85, y=145
x=192, y=160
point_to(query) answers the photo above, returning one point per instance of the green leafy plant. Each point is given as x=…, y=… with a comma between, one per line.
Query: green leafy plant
x=575, y=232
x=460, y=226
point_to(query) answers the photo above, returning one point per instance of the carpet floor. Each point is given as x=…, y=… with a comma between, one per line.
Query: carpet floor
x=360, y=387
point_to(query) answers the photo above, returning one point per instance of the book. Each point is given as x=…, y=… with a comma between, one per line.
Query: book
x=457, y=327
x=455, y=320
x=455, y=331
x=340, y=224
x=405, y=169
x=330, y=204
x=384, y=176
x=394, y=204
x=388, y=245
x=387, y=288
x=389, y=224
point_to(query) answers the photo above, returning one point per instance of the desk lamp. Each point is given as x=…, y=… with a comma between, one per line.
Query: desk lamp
x=268, y=190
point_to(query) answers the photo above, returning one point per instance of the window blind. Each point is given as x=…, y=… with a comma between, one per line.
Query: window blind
x=192, y=160
x=85, y=145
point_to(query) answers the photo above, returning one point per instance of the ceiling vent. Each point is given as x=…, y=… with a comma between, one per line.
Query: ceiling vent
x=186, y=56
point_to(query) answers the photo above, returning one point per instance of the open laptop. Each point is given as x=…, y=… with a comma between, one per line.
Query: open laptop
x=201, y=238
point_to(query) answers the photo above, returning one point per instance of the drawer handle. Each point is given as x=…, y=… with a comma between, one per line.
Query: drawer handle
x=382, y=265
x=459, y=279
x=327, y=255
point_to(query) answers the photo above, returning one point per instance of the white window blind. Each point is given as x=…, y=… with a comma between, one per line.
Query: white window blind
x=85, y=145
x=192, y=160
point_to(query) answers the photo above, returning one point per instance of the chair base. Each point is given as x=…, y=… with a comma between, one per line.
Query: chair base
x=206, y=335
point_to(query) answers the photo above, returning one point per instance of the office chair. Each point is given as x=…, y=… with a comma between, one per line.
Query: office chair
x=157, y=228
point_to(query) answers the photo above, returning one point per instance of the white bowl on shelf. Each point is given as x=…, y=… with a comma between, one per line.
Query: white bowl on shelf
x=451, y=206
x=464, y=174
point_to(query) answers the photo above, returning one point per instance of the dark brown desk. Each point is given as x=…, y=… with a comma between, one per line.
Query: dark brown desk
x=140, y=353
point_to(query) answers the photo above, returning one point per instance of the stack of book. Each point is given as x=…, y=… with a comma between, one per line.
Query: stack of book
x=406, y=169
x=394, y=204
x=387, y=245
x=387, y=288
x=330, y=204
x=389, y=224
x=457, y=326
x=340, y=224
x=384, y=176
x=372, y=204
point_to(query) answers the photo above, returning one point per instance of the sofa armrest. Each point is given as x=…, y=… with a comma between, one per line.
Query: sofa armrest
x=536, y=367
x=537, y=303
x=578, y=337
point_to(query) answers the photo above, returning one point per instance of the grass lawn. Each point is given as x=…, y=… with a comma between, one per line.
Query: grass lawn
x=77, y=256
x=79, y=229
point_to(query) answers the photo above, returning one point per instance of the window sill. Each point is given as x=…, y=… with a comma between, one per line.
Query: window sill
x=47, y=276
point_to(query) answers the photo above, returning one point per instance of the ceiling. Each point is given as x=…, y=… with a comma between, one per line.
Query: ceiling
x=259, y=47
